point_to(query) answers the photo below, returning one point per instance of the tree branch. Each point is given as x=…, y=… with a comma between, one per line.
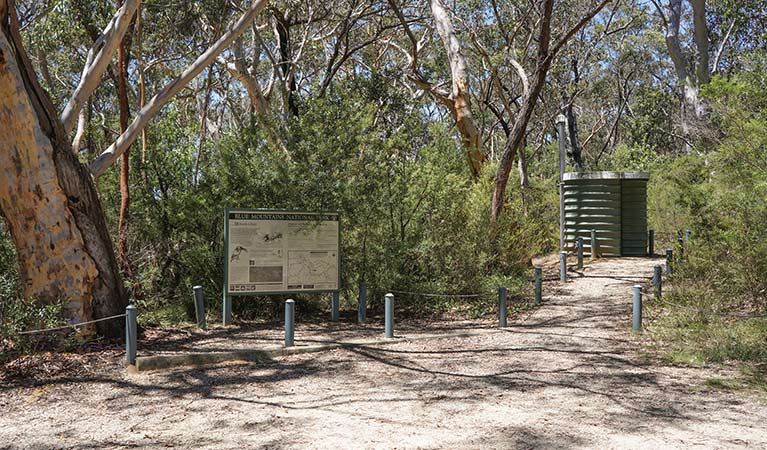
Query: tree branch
x=563, y=40
x=700, y=31
x=91, y=78
x=722, y=45
x=110, y=155
x=672, y=39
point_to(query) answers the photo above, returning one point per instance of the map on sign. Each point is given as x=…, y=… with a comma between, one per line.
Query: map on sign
x=281, y=251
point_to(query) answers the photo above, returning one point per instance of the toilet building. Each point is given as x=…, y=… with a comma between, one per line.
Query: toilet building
x=612, y=203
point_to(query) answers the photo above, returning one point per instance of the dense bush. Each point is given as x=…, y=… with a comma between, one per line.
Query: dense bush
x=411, y=217
x=721, y=194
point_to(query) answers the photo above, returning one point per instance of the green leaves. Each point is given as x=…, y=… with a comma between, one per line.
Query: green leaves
x=721, y=194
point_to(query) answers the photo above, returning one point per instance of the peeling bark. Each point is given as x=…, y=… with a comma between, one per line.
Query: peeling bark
x=49, y=200
x=460, y=96
x=572, y=136
x=110, y=39
x=282, y=26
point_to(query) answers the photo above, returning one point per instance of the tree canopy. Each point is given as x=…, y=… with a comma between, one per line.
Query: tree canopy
x=430, y=125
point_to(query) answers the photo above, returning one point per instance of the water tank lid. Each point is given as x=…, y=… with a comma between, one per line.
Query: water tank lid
x=606, y=176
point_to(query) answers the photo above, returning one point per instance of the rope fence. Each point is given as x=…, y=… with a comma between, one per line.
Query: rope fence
x=502, y=296
x=74, y=325
x=709, y=312
x=426, y=294
x=683, y=237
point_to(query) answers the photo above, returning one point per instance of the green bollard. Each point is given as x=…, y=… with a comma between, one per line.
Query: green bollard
x=669, y=257
x=131, y=330
x=637, y=308
x=538, y=285
x=563, y=267
x=502, y=307
x=362, y=304
x=389, y=316
x=657, y=281
x=334, y=307
x=594, y=244
x=290, y=317
x=227, y=315
x=579, y=244
x=199, y=307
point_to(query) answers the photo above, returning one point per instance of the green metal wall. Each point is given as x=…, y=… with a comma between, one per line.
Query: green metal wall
x=612, y=203
x=634, y=217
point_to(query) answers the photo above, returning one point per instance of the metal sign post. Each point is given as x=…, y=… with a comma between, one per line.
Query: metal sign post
x=561, y=122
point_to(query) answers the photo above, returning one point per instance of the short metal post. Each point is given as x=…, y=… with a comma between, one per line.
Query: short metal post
x=389, y=316
x=579, y=244
x=687, y=235
x=563, y=266
x=538, y=285
x=227, y=309
x=669, y=257
x=199, y=307
x=334, y=307
x=657, y=281
x=502, y=307
x=362, y=304
x=131, y=330
x=651, y=243
x=290, y=318
x=637, y=307
x=594, y=244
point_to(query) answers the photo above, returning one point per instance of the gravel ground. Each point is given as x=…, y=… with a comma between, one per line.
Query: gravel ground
x=567, y=376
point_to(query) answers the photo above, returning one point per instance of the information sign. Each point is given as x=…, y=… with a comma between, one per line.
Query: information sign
x=271, y=252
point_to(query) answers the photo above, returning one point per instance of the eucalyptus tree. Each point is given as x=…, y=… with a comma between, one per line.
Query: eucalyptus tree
x=458, y=99
x=700, y=36
x=690, y=58
x=548, y=47
x=502, y=33
x=48, y=197
x=602, y=74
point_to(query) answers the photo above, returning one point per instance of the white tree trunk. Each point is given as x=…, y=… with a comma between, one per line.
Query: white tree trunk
x=459, y=95
x=110, y=155
x=91, y=78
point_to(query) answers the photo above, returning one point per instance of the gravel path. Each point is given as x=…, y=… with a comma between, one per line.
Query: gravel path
x=568, y=376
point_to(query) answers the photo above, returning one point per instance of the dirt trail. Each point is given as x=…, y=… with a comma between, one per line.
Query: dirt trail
x=568, y=376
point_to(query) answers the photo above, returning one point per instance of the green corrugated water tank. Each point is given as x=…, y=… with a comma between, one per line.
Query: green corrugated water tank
x=612, y=203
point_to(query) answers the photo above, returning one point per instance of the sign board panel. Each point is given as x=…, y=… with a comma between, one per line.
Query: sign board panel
x=272, y=252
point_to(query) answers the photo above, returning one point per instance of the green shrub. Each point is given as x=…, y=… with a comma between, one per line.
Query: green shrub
x=412, y=219
x=720, y=193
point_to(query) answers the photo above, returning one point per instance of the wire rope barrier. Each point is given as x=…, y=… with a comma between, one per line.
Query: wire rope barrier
x=73, y=325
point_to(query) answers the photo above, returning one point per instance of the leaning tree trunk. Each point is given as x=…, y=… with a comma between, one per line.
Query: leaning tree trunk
x=692, y=69
x=461, y=107
x=49, y=200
